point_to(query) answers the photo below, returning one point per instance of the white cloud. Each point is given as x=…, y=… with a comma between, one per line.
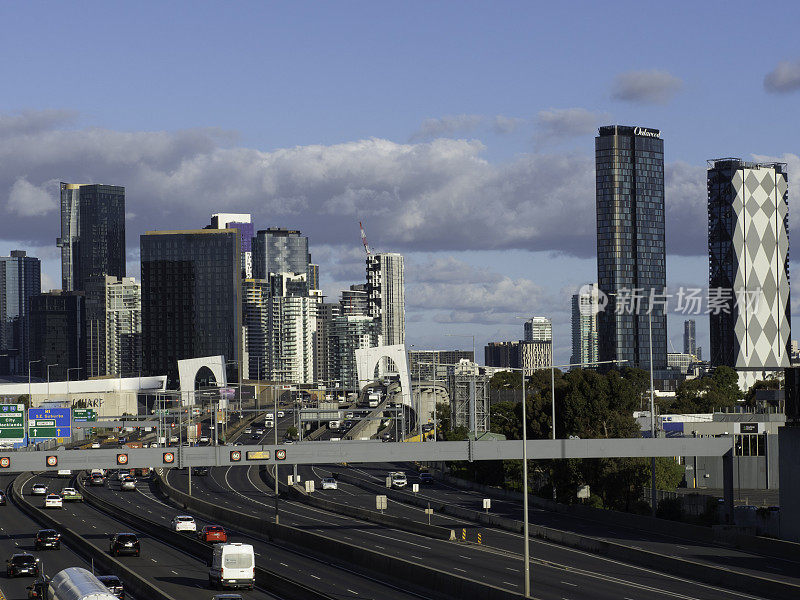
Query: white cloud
x=785, y=77
x=27, y=200
x=33, y=121
x=446, y=126
x=503, y=125
x=646, y=87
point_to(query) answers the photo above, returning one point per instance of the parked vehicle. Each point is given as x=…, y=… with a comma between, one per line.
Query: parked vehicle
x=232, y=565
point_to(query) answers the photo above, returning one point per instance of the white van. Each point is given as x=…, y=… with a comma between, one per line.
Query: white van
x=232, y=565
x=65, y=473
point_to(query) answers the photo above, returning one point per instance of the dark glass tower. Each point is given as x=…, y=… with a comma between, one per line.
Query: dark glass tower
x=92, y=238
x=278, y=250
x=20, y=278
x=57, y=326
x=631, y=257
x=191, y=299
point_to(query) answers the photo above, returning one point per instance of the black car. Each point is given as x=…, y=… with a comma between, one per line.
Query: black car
x=425, y=477
x=200, y=471
x=23, y=563
x=124, y=543
x=48, y=538
x=38, y=590
x=2, y=498
x=114, y=585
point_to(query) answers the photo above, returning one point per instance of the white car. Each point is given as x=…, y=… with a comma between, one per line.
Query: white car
x=39, y=489
x=398, y=479
x=281, y=414
x=259, y=432
x=329, y=483
x=53, y=501
x=95, y=445
x=248, y=430
x=128, y=485
x=184, y=523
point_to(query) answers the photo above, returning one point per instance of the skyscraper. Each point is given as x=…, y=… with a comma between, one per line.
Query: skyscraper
x=748, y=250
x=57, y=326
x=20, y=278
x=242, y=222
x=92, y=238
x=113, y=327
x=277, y=250
x=538, y=329
x=631, y=257
x=386, y=296
x=354, y=302
x=191, y=299
x=689, y=338
x=584, y=325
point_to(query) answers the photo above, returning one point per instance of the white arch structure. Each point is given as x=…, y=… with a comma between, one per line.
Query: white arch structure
x=368, y=358
x=188, y=369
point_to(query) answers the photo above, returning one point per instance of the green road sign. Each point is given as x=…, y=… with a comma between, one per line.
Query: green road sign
x=12, y=422
x=84, y=415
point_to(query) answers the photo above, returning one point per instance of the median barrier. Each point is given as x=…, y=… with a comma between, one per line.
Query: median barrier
x=661, y=562
x=284, y=587
x=429, y=582
x=135, y=584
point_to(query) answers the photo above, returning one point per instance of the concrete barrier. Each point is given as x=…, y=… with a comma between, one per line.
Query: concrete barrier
x=282, y=586
x=135, y=584
x=760, y=586
x=429, y=582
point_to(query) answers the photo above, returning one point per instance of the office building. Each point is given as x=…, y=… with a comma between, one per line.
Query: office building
x=631, y=257
x=535, y=355
x=57, y=326
x=680, y=362
x=277, y=250
x=354, y=302
x=92, y=238
x=689, y=337
x=191, y=299
x=748, y=250
x=113, y=327
x=313, y=275
x=502, y=354
x=20, y=278
x=386, y=295
x=538, y=329
x=323, y=364
x=584, y=325
x=241, y=222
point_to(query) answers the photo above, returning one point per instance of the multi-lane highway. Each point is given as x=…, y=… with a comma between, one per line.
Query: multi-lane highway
x=559, y=572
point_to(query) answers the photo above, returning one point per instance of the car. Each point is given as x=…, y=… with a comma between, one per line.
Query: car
x=248, y=430
x=47, y=538
x=427, y=427
x=398, y=479
x=183, y=523
x=124, y=543
x=128, y=484
x=213, y=533
x=329, y=483
x=39, y=489
x=2, y=498
x=289, y=441
x=201, y=471
x=53, y=501
x=114, y=585
x=425, y=477
x=95, y=445
x=69, y=494
x=97, y=480
x=255, y=436
x=260, y=431
x=281, y=414
x=204, y=440
x=23, y=563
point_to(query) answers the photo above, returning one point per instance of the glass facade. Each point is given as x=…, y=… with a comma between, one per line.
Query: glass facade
x=20, y=278
x=92, y=238
x=279, y=251
x=631, y=256
x=191, y=299
x=57, y=326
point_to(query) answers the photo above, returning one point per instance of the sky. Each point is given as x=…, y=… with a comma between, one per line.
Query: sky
x=459, y=133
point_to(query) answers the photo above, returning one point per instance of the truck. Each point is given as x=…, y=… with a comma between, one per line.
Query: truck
x=334, y=425
x=373, y=400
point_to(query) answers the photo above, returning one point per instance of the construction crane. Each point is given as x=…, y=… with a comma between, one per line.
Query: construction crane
x=364, y=239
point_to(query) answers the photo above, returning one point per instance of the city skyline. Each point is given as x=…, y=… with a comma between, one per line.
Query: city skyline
x=477, y=235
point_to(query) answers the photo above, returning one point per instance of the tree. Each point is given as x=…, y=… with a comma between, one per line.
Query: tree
x=506, y=380
x=291, y=432
x=709, y=393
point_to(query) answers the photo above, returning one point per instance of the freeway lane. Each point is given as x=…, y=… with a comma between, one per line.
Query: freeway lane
x=559, y=572
x=178, y=574
x=313, y=572
x=17, y=532
x=708, y=553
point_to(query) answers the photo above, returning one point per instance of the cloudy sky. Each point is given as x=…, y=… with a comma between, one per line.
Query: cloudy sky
x=460, y=133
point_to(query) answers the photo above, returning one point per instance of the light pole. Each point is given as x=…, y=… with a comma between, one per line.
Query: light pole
x=74, y=369
x=652, y=415
x=48, y=379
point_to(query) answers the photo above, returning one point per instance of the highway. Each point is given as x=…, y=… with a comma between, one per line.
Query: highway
x=559, y=572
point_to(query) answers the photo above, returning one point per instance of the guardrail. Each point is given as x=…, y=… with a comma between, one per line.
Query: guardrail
x=760, y=586
x=421, y=579
x=137, y=585
x=283, y=586
x=432, y=531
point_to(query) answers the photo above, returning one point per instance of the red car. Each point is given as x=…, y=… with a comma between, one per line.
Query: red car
x=212, y=533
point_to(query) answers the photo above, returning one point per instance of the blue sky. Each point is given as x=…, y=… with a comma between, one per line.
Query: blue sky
x=461, y=133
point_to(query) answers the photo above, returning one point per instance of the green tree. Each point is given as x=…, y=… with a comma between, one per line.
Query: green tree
x=708, y=393
x=506, y=380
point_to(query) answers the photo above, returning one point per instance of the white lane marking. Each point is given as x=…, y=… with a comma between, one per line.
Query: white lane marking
x=567, y=582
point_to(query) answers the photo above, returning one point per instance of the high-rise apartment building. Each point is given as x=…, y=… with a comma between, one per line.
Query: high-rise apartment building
x=57, y=340
x=631, y=256
x=535, y=355
x=502, y=354
x=292, y=329
x=584, y=325
x=354, y=302
x=255, y=316
x=689, y=337
x=20, y=278
x=113, y=327
x=386, y=295
x=191, y=299
x=538, y=329
x=323, y=364
x=423, y=363
x=277, y=250
x=92, y=238
x=348, y=334
x=241, y=222
x=748, y=249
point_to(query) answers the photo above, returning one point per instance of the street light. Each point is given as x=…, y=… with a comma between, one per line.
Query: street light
x=48, y=379
x=74, y=369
